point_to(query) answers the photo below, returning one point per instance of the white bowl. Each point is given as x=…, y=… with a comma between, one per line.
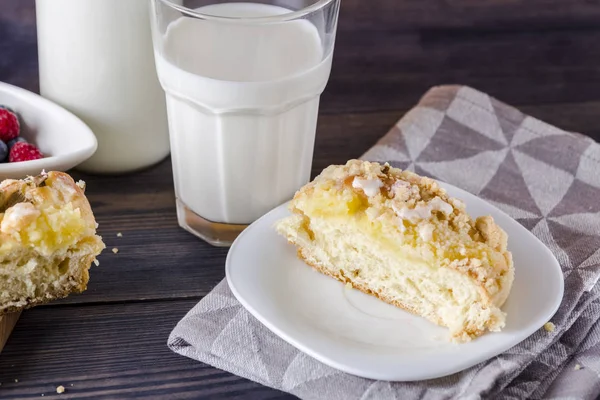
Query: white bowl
x=62, y=137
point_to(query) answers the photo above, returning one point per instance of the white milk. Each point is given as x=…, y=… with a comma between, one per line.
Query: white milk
x=96, y=59
x=242, y=103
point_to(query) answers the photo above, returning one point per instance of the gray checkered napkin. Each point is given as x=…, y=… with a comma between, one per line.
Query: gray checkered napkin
x=544, y=177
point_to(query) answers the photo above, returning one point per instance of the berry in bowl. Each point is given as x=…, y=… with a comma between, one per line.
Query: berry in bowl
x=14, y=148
x=36, y=134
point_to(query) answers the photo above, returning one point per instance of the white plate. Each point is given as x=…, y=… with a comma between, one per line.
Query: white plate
x=363, y=336
x=60, y=135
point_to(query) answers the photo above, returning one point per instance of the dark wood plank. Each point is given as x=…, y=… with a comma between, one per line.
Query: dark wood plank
x=7, y=323
x=113, y=352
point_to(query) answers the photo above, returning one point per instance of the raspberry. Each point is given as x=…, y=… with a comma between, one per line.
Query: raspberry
x=9, y=125
x=23, y=151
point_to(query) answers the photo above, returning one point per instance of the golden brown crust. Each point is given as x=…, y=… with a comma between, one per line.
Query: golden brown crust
x=53, y=188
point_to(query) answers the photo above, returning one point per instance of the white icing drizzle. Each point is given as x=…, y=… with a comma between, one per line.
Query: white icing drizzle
x=426, y=232
x=371, y=187
x=401, y=226
x=424, y=211
x=440, y=205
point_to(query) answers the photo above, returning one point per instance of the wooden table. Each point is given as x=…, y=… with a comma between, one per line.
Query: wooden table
x=540, y=55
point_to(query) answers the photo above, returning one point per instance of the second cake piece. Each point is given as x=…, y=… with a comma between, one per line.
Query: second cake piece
x=47, y=240
x=400, y=237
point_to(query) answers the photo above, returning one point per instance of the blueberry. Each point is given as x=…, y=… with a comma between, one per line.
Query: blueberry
x=3, y=152
x=12, y=142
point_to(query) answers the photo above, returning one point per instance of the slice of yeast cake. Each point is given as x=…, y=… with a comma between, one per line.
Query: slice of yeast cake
x=400, y=237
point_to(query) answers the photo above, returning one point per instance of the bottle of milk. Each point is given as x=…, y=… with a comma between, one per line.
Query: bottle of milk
x=96, y=60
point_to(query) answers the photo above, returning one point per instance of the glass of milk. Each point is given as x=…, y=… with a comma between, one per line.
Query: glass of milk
x=242, y=83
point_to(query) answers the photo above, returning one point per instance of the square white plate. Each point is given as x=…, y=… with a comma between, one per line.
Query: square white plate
x=363, y=336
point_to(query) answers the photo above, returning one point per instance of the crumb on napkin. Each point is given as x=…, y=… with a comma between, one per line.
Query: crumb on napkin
x=549, y=327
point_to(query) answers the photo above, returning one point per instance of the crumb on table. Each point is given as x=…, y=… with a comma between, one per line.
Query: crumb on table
x=96, y=262
x=119, y=234
x=115, y=250
x=577, y=367
x=60, y=389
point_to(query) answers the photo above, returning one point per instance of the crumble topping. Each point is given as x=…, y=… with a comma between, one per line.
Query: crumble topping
x=371, y=187
x=421, y=212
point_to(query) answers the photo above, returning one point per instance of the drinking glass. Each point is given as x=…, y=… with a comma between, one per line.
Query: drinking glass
x=242, y=83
